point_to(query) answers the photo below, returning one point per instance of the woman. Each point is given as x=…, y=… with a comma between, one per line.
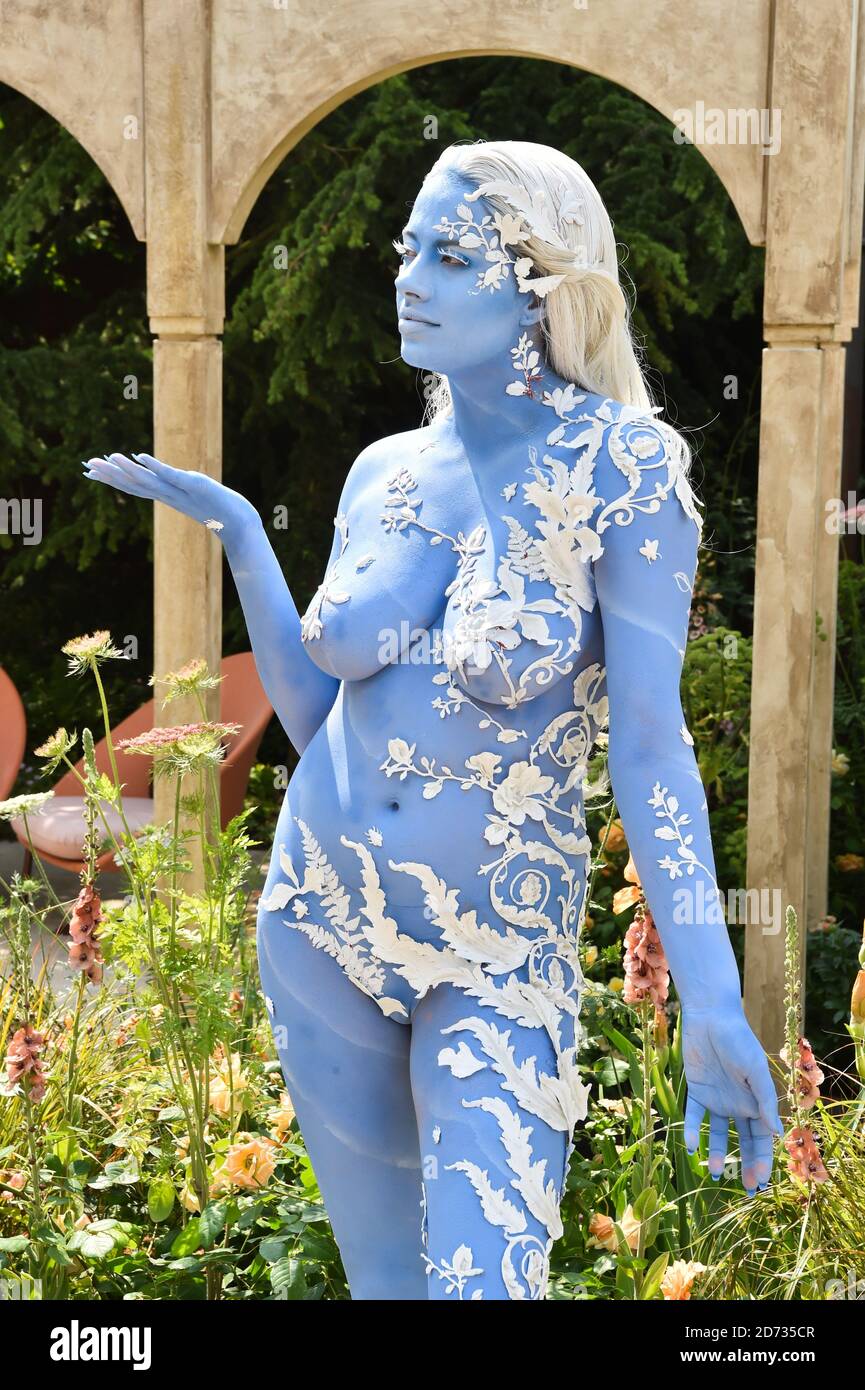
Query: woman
x=501, y=581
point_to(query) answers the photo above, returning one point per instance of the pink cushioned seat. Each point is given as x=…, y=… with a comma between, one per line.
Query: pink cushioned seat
x=59, y=832
x=60, y=828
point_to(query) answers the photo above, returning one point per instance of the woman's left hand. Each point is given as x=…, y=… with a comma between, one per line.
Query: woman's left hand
x=728, y=1074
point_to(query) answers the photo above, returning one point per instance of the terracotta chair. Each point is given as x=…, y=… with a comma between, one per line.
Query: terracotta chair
x=57, y=833
x=13, y=734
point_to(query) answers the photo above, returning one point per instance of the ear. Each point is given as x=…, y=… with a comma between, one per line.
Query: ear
x=532, y=312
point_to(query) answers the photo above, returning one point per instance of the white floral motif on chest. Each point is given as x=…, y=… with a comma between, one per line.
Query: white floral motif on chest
x=311, y=622
x=494, y=617
x=402, y=510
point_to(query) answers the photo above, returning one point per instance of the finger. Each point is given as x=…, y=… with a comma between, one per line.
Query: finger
x=694, y=1113
x=140, y=482
x=128, y=466
x=719, y=1133
x=762, y=1154
x=756, y=1146
x=138, y=473
x=114, y=477
x=746, y=1153
x=162, y=470
x=145, y=477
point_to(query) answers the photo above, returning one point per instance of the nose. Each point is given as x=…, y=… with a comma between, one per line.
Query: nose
x=410, y=282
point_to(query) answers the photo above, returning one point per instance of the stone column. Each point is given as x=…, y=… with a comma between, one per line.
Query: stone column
x=807, y=307
x=828, y=550
x=185, y=298
x=792, y=692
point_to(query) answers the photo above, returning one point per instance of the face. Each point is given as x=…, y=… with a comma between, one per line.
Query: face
x=446, y=322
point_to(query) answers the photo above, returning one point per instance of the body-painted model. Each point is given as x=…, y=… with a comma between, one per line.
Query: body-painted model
x=505, y=582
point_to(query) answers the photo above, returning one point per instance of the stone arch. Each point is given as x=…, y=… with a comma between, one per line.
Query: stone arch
x=271, y=140
x=61, y=66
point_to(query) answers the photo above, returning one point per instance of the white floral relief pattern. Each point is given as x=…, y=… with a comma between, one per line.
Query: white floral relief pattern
x=635, y=450
x=665, y=809
x=522, y=966
x=311, y=622
x=483, y=962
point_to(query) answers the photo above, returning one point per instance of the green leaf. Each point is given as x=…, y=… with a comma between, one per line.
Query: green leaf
x=676, y=1049
x=211, y=1222
x=619, y=1041
x=635, y=1074
x=272, y=1249
x=287, y=1279
x=189, y=1239
x=646, y=1204
x=96, y=1245
x=14, y=1244
x=160, y=1199
x=612, y=1072
x=317, y=1246
x=665, y=1097
x=307, y=1175
x=170, y=1112
x=58, y=1253
x=654, y=1275
x=67, y=1149
x=118, y=1173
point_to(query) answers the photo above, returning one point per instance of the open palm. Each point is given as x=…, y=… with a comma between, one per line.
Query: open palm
x=728, y=1075
x=195, y=494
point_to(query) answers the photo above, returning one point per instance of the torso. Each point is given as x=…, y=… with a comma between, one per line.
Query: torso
x=340, y=787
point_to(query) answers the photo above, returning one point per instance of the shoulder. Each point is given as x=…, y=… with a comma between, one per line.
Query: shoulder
x=642, y=464
x=381, y=462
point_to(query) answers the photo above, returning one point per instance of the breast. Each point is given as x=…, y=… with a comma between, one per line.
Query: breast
x=385, y=584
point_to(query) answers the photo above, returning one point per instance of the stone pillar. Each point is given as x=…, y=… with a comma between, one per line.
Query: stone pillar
x=187, y=590
x=185, y=300
x=828, y=550
x=806, y=314
x=791, y=699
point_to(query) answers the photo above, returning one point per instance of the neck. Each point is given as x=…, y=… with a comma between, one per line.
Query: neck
x=486, y=418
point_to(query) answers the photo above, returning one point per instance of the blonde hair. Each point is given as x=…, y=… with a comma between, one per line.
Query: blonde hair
x=586, y=319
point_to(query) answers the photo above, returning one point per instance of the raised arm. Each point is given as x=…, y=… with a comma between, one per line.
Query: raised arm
x=649, y=529
x=300, y=692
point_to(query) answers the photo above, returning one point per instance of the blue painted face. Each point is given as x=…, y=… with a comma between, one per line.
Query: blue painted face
x=446, y=323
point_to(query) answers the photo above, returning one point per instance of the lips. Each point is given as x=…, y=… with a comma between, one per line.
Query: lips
x=406, y=317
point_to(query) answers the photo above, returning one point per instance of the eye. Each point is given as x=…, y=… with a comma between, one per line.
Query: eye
x=446, y=257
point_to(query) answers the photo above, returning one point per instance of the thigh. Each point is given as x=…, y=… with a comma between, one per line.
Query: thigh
x=347, y=1071
x=493, y=1166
